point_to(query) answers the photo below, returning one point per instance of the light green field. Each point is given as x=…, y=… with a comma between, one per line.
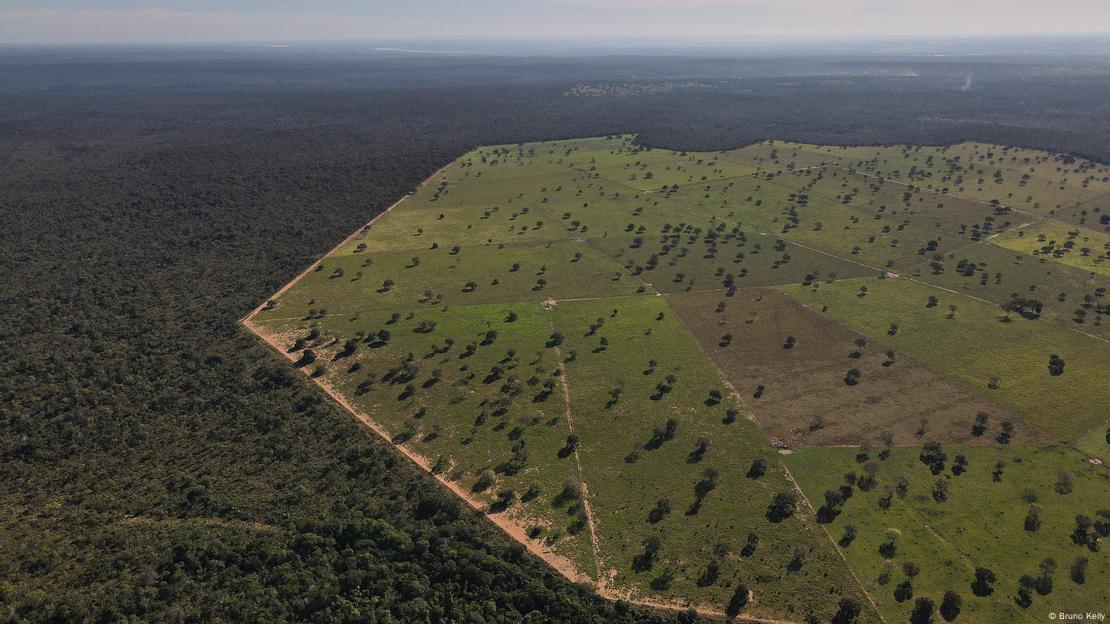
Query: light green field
x=1035, y=182
x=1076, y=247
x=511, y=323
x=996, y=273
x=981, y=524
x=623, y=491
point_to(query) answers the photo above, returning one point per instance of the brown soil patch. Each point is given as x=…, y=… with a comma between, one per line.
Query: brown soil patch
x=805, y=400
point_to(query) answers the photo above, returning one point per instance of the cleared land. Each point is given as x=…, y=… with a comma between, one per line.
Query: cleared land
x=967, y=341
x=981, y=521
x=596, y=343
x=790, y=363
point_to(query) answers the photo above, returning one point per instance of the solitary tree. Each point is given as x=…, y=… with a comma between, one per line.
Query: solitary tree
x=923, y=611
x=951, y=605
x=984, y=582
x=782, y=506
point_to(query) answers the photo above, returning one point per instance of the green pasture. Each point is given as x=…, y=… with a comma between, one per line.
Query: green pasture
x=1051, y=240
x=981, y=523
x=608, y=272
x=627, y=474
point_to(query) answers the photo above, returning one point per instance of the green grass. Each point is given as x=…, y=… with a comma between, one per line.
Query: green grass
x=672, y=264
x=534, y=271
x=456, y=418
x=1077, y=247
x=1069, y=189
x=473, y=274
x=981, y=524
x=998, y=274
x=623, y=492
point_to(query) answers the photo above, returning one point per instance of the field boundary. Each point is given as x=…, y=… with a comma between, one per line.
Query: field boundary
x=511, y=528
x=750, y=415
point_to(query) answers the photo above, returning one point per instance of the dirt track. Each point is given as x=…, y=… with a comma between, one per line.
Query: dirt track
x=518, y=532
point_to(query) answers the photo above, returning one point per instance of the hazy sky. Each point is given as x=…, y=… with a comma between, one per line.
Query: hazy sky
x=180, y=21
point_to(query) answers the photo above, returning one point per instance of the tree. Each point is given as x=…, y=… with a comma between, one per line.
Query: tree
x=660, y=511
x=869, y=480
x=645, y=560
x=758, y=468
x=1024, y=596
x=959, y=465
x=739, y=600
x=700, y=449
x=570, y=445
x=951, y=605
x=1047, y=566
x=782, y=506
x=750, y=544
x=664, y=580
x=1080, y=535
x=1055, y=365
x=1078, y=570
x=308, y=357
x=980, y=426
x=710, y=573
x=706, y=484
x=889, y=547
x=1006, y=433
x=923, y=610
x=833, y=500
x=798, y=560
x=852, y=377
x=984, y=582
x=933, y=457
x=848, y=611
x=1064, y=482
x=485, y=480
x=849, y=535
x=940, y=490
x=904, y=591
x=1033, y=519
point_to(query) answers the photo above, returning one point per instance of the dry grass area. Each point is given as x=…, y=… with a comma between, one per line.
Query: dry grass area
x=805, y=400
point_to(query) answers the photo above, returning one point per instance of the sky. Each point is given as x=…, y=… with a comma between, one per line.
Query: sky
x=229, y=21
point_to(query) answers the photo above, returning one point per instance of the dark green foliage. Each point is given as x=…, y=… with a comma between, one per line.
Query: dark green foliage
x=739, y=600
x=782, y=506
x=847, y=611
x=984, y=582
x=157, y=463
x=923, y=610
x=951, y=605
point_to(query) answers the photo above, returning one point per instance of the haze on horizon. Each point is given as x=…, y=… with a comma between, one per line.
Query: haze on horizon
x=230, y=21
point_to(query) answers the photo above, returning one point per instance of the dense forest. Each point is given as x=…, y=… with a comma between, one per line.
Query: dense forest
x=158, y=464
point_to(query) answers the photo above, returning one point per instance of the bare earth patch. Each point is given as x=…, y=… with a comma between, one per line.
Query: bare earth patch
x=803, y=397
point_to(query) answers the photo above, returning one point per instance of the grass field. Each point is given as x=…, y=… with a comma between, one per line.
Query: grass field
x=557, y=331
x=991, y=271
x=981, y=523
x=1076, y=247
